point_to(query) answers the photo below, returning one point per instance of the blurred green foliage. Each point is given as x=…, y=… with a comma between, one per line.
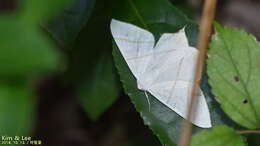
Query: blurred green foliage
x=100, y=89
x=17, y=106
x=25, y=52
x=32, y=12
x=66, y=26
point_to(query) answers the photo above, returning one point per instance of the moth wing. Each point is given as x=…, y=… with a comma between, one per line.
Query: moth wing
x=168, y=52
x=179, y=99
x=135, y=44
x=170, y=79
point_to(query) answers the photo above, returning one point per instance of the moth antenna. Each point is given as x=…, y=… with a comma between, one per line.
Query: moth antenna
x=148, y=101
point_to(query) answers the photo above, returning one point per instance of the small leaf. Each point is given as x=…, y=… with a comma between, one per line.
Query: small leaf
x=65, y=27
x=24, y=50
x=218, y=136
x=16, y=108
x=234, y=72
x=158, y=17
x=100, y=90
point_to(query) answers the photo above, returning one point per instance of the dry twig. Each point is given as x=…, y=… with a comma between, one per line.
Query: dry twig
x=205, y=30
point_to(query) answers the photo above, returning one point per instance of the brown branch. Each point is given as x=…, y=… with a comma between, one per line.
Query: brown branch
x=248, y=132
x=205, y=30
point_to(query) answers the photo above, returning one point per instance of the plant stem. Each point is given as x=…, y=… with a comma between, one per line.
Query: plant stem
x=205, y=30
x=248, y=131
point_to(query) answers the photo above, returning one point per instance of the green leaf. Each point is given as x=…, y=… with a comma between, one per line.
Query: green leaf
x=218, y=136
x=67, y=25
x=35, y=11
x=91, y=68
x=158, y=16
x=24, y=51
x=100, y=90
x=233, y=69
x=16, y=109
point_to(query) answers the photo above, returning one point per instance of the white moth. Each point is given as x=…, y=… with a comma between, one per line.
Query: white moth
x=165, y=70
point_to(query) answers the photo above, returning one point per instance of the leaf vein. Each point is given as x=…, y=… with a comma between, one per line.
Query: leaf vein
x=138, y=14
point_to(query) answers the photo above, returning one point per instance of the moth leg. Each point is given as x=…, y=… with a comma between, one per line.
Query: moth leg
x=148, y=101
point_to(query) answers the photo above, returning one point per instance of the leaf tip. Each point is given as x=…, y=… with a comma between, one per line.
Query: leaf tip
x=217, y=26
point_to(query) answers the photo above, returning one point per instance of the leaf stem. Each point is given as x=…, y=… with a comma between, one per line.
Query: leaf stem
x=205, y=30
x=248, y=131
